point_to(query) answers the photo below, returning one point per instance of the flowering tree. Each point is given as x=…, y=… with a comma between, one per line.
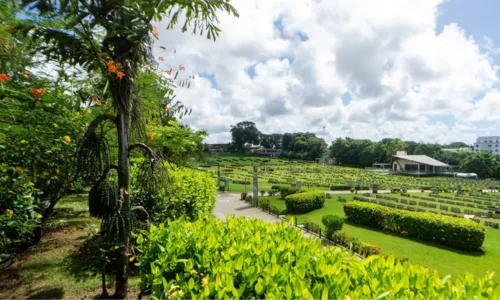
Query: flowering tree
x=114, y=37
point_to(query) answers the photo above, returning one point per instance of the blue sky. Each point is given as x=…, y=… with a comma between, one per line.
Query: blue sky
x=478, y=18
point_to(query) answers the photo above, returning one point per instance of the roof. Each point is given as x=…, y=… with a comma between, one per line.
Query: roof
x=423, y=159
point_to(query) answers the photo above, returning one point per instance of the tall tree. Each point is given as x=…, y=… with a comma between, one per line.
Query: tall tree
x=483, y=163
x=113, y=37
x=244, y=132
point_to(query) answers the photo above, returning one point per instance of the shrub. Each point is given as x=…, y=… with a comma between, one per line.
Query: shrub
x=332, y=224
x=262, y=193
x=340, y=188
x=247, y=259
x=312, y=227
x=190, y=193
x=453, y=232
x=243, y=196
x=288, y=190
x=305, y=202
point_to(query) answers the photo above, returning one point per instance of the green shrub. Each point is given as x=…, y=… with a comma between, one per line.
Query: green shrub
x=288, y=190
x=453, y=232
x=249, y=259
x=340, y=188
x=190, y=193
x=305, y=202
x=243, y=196
x=332, y=224
x=312, y=227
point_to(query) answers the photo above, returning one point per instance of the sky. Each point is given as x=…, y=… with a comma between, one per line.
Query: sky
x=425, y=70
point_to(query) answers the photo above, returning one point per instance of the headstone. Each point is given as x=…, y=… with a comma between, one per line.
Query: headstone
x=413, y=202
x=360, y=182
x=375, y=188
x=299, y=184
x=218, y=175
x=226, y=184
x=401, y=206
x=433, y=185
x=459, y=188
x=255, y=186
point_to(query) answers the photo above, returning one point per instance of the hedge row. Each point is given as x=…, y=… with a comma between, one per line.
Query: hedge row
x=250, y=259
x=453, y=232
x=304, y=202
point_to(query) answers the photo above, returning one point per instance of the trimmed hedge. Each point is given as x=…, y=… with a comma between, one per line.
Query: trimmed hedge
x=332, y=224
x=453, y=232
x=250, y=259
x=288, y=190
x=305, y=202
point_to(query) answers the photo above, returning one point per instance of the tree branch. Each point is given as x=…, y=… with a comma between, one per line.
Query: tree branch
x=140, y=208
x=93, y=125
x=106, y=171
x=144, y=148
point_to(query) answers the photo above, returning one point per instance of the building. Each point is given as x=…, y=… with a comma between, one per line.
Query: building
x=464, y=149
x=267, y=152
x=402, y=162
x=216, y=148
x=326, y=160
x=490, y=143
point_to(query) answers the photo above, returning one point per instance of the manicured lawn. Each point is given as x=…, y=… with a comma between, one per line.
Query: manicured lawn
x=445, y=260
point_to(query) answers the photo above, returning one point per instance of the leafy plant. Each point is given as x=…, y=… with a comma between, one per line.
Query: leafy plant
x=260, y=260
x=332, y=224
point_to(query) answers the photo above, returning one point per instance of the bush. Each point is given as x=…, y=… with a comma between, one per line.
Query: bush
x=287, y=190
x=247, y=259
x=453, y=232
x=262, y=193
x=190, y=193
x=340, y=188
x=243, y=196
x=312, y=227
x=332, y=224
x=305, y=202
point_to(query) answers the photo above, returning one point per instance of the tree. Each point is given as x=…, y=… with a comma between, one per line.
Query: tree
x=301, y=145
x=271, y=140
x=114, y=38
x=244, y=132
x=483, y=163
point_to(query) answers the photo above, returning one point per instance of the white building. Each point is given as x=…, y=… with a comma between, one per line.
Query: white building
x=464, y=149
x=402, y=162
x=491, y=143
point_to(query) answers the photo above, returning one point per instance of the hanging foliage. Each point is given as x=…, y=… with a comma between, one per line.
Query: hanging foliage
x=103, y=198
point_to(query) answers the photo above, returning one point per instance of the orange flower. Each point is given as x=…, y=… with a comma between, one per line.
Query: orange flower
x=168, y=72
x=169, y=109
x=58, y=171
x=111, y=66
x=120, y=75
x=19, y=169
x=161, y=58
x=37, y=93
x=67, y=139
x=182, y=68
x=3, y=77
x=155, y=32
x=171, y=80
x=151, y=135
x=10, y=212
x=153, y=72
x=26, y=74
x=85, y=111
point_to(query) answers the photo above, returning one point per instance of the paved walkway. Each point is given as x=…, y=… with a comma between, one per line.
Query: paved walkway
x=230, y=204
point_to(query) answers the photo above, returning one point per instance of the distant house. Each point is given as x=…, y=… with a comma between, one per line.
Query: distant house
x=217, y=147
x=326, y=160
x=402, y=162
x=266, y=151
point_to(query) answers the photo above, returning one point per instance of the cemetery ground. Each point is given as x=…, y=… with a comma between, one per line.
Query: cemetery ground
x=444, y=259
x=53, y=269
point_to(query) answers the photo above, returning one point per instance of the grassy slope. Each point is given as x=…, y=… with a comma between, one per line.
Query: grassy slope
x=444, y=259
x=45, y=270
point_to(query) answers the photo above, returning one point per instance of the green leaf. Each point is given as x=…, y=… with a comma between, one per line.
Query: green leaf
x=140, y=239
x=324, y=294
x=259, y=289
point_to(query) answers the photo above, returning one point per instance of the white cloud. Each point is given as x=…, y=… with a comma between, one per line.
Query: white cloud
x=285, y=64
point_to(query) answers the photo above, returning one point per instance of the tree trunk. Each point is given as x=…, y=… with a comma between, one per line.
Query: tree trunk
x=124, y=186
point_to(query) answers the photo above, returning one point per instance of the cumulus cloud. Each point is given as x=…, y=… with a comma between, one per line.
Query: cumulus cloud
x=285, y=65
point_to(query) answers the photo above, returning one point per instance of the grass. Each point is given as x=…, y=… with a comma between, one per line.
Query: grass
x=445, y=260
x=45, y=271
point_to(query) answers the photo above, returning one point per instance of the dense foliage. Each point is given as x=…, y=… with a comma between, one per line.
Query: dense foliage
x=453, y=232
x=355, y=152
x=189, y=193
x=300, y=145
x=332, y=224
x=244, y=133
x=247, y=259
x=304, y=202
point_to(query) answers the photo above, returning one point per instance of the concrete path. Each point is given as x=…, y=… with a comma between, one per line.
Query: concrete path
x=230, y=204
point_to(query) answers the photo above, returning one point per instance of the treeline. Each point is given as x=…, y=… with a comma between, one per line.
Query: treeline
x=365, y=152
x=306, y=146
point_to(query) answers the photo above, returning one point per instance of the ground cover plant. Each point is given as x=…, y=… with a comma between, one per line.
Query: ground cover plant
x=266, y=260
